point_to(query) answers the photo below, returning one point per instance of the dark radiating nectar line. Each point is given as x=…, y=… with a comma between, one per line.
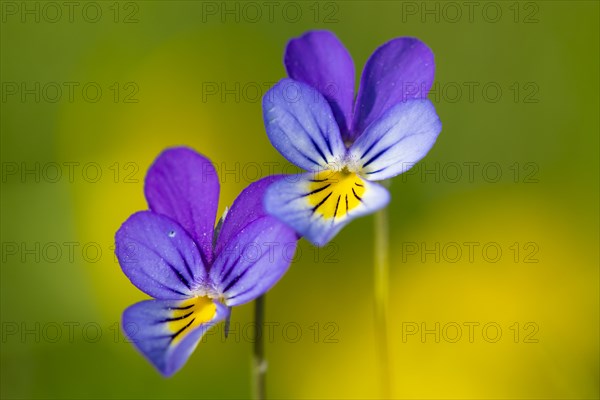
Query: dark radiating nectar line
x=317, y=190
x=321, y=202
x=225, y=276
x=357, y=196
x=374, y=172
x=187, y=266
x=176, y=318
x=173, y=336
x=236, y=279
x=319, y=151
x=375, y=157
x=180, y=276
x=336, y=206
x=181, y=308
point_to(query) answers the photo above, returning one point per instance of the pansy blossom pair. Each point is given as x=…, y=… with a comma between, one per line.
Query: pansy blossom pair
x=195, y=272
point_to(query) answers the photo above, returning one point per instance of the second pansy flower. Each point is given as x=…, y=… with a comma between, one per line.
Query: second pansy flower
x=195, y=275
x=313, y=122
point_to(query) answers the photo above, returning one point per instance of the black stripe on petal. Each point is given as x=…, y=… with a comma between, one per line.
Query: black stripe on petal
x=236, y=279
x=328, y=144
x=230, y=269
x=370, y=148
x=376, y=156
x=374, y=172
x=175, y=318
x=181, y=308
x=357, y=196
x=173, y=336
x=239, y=294
x=317, y=190
x=180, y=277
x=336, y=206
x=310, y=159
x=162, y=285
x=375, y=142
x=187, y=266
x=319, y=151
x=321, y=202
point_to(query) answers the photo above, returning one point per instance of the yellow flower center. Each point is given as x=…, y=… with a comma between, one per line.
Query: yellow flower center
x=332, y=194
x=189, y=314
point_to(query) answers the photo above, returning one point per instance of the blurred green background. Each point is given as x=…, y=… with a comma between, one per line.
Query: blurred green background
x=494, y=235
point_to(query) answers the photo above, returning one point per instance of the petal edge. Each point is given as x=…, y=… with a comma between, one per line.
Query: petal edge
x=146, y=324
x=319, y=59
x=401, y=69
x=176, y=180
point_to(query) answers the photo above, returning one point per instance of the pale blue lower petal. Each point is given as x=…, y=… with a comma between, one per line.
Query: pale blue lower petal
x=293, y=200
x=167, y=332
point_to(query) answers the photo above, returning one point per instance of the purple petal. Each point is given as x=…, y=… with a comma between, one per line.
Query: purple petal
x=247, y=207
x=320, y=60
x=301, y=126
x=401, y=69
x=254, y=260
x=317, y=206
x=167, y=332
x=158, y=256
x=396, y=141
x=184, y=186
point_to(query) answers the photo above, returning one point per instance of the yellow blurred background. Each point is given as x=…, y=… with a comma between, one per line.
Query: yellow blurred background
x=494, y=235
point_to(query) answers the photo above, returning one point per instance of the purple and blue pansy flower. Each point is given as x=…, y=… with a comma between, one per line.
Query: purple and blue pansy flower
x=172, y=253
x=313, y=120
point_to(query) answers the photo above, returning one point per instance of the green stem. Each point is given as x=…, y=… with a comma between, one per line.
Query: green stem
x=259, y=370
x=381, y=279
